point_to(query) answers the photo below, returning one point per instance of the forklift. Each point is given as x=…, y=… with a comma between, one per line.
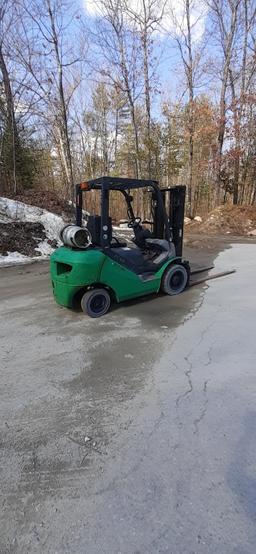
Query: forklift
x=95, y=268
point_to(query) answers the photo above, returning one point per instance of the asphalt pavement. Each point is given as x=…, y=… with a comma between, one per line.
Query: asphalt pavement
x=135, y=433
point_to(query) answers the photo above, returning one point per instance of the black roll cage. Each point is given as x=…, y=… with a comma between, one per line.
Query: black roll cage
x=105, y=184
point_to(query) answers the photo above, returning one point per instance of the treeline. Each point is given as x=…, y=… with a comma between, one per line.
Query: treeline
x=164, y=91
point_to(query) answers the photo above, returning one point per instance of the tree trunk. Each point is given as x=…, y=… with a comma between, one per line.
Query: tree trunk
x=237, y=123
x=12, y=130
x=191, y=111
x=238, y=105
x=227, y=37
x=144, y=41
x=220, y=139
x=116, y=135
x=136, y=139
x=63, y=108
x=128, y=90
x=254, y=196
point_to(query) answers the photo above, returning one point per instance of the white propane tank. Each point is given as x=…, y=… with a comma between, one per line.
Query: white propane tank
x=78, y=237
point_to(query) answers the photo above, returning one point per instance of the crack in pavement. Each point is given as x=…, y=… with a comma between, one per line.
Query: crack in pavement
x=203, y=333
x=187, y=373
x=203, y=410
x=209, y=354
x=190, y=388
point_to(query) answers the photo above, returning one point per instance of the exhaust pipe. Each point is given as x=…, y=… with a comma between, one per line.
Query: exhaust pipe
x=76, y=237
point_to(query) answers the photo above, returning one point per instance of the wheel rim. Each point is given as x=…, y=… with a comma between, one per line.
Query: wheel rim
x=98, y=303
x=176, y=280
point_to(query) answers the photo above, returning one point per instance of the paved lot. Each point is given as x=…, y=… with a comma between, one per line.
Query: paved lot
x=132, y=434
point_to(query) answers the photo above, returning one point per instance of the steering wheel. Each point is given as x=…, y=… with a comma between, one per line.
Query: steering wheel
x=134, y=223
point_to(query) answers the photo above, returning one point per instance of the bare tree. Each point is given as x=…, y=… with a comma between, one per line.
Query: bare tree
x=225, y=15
x=6, y=22
x=120, y=52
x=241, y=75
x=50, y=61
x=190, y=54
x=147, y=20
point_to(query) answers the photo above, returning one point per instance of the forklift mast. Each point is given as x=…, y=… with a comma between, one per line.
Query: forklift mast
x=174, y=201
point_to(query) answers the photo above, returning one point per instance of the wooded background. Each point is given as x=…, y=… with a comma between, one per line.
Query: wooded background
x=151, y=89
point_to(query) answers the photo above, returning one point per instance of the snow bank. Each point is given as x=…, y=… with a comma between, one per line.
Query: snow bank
x=12, y=210
x=19, y=211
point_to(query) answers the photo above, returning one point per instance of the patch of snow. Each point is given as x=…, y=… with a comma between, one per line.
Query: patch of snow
x=44, y=248
x=13, y=258
x=198, y=219
x=123, y=224
x=187, y=220
x=18, y=211
x=125, y=229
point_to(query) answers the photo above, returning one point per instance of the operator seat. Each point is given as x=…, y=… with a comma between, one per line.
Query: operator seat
x=164, y=248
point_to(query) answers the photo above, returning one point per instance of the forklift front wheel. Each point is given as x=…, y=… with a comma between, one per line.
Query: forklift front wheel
x=96, y=302
x=174, y=280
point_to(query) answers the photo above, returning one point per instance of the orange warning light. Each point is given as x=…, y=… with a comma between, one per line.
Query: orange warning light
x=84, y=186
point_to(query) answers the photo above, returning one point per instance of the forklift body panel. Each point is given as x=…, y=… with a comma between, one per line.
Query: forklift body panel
x=73, y=270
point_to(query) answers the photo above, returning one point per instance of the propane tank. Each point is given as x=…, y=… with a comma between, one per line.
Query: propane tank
x=77, y=237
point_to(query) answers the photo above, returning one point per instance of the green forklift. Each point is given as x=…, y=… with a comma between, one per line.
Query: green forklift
x=95, y=267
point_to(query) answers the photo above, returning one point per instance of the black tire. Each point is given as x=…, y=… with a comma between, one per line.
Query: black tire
x=174, y=280
x=96, y=302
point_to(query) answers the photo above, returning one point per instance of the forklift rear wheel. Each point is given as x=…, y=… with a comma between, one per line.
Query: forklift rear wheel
x=174, y=280
x=96, y=302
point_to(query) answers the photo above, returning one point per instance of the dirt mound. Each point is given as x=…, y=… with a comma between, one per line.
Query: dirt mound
x=234, y=220
x=46, y=200
x=22, y=238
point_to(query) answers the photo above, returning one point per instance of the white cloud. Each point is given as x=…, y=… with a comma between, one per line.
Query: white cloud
x=173, y=21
